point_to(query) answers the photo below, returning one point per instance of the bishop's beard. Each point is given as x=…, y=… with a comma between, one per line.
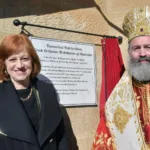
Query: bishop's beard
x=140, y=71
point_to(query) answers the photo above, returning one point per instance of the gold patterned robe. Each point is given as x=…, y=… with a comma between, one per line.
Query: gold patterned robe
x=127, y=116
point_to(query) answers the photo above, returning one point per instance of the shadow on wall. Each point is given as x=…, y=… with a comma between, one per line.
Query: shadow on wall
x=17, y=8
x=71, y=137
x=69, y=130
x=109, y=22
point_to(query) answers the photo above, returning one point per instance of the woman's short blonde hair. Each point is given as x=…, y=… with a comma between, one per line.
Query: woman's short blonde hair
x=14, y=44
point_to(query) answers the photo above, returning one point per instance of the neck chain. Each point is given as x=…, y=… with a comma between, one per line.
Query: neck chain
x=24, y=99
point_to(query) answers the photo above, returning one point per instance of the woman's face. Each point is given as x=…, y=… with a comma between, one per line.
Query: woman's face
x=19, y=67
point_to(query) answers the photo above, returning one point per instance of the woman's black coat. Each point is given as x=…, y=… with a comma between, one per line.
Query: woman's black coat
x=16, y=132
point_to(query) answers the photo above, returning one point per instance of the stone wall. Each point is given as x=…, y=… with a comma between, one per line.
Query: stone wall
x=93, y=16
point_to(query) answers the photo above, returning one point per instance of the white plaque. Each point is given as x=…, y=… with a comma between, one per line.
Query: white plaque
x=70, y=67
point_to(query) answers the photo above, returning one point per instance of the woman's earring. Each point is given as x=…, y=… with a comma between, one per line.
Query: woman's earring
x=6, y=72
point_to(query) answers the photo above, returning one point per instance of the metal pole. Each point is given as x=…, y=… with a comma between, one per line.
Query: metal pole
x=16, y=22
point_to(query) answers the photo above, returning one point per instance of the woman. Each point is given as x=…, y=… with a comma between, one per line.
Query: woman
x=30, y=118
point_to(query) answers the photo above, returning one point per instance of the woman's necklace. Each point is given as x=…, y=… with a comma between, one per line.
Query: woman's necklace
x=24, y=99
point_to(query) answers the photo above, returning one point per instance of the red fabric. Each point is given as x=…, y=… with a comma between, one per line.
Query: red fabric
x=102, y=139
x=112, y=69
x=147, y=133
x=142, y=95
